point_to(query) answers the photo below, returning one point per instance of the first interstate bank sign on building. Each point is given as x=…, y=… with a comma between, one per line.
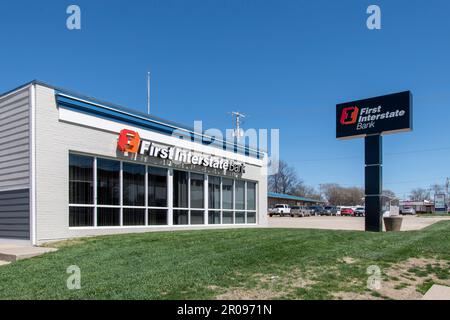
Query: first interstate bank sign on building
x=386, y=114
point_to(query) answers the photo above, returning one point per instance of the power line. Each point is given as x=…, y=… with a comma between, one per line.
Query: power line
x=387, y=154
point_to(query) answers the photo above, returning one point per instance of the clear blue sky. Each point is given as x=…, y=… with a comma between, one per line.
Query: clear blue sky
x=284, y=63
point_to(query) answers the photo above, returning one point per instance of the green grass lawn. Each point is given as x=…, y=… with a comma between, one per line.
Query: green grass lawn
x=433, y=215
x=268, y=263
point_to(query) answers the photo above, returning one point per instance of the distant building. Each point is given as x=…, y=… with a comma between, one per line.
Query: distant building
x=418, y=206
x=279, y=198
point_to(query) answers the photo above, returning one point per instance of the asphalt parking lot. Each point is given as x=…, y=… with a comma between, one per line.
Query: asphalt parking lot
x=346, y=223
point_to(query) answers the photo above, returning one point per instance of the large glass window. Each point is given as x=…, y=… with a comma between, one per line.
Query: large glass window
x=197, y=217
x=81, y=179
x=240, y=194
x=251, y=196
x=133, y=184
x=133, y=217
x=227, y=193
x=197, y=190
x=239, y=217
x=214, y=217
x=108, y=182
x=227, y=217
x=108, y=217
x=157, y=187
x=214, y=192
x=157, y=216
x=81, y=216
x=180, y=189
x=180, y=217
x=81, y=190
x=251, y=217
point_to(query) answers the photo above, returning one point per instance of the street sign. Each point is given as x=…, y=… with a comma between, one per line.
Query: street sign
x=439, y=202
x=380, y=115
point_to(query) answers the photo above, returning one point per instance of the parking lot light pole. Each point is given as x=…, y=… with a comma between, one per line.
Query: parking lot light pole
x=373, y=182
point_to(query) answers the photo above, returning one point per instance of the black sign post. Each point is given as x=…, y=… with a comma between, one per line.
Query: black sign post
x=370, y=118
x=373, y=182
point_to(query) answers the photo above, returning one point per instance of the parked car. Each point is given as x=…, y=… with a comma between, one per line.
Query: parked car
x=280, y=210
x=347, y=212
x=360, y=211
x=408, y=210
x=300, y=211
x=338, y=210
x=316, y=210
x=329, y=211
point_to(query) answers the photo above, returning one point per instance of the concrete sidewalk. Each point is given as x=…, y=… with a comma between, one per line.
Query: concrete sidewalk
x=437, y=292
x=14, y=252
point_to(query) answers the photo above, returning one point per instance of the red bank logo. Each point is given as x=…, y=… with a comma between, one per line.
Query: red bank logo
x=128, y=141
x=349, y=115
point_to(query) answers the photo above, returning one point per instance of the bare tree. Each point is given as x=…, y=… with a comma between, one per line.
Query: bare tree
x=420, y=194
x=389, y=194
x=285, y=180
x=303, y=190
x=437, y=188
x=331, y=192
x=338, y=195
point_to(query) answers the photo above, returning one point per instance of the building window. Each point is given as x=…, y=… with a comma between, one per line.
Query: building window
x=227, y=217
x=180, y=217
x=214, y=192
x=197, y=217
x=251, y=203
x=251, y=217
x=81, y=191
x=81, y=179
x=108, y=217
x=239, y=217
x=133, y=184
x=108, y=182
x=240, y=195
x=81, y=216
x=197, y=191
x=157, y=187
x=227, y=193
x=133, y=217
x=214, y=217
x=180, y=189
x=251, y=196
x=157, y=217
x=227, y=201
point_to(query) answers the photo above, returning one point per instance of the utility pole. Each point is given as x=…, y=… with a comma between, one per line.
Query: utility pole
x=148, y=93
x=238, y=131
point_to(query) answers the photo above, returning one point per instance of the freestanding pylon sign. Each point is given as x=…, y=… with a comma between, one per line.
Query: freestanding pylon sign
x=371, y=118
